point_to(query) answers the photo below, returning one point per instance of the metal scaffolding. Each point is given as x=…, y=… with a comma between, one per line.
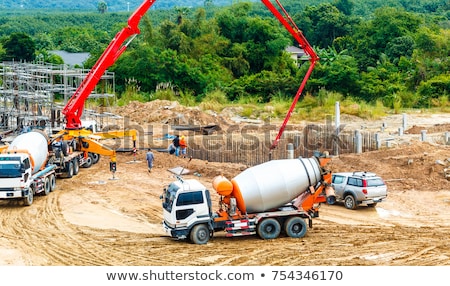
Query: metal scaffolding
x=32, y=95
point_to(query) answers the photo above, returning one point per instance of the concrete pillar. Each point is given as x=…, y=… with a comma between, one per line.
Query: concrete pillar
x=358, y=142
x=337, y=111
x=447, y=138
x=297, y=140
x=423, y=135
x=404, y=121
x=377, y=141
x=400, y=131
x=290, y=151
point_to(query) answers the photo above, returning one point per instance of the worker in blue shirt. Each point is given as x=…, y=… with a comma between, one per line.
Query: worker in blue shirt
x=150, y=158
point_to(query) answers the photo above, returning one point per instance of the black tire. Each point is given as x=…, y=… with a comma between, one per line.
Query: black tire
x=87, y=163
x=350, y=202
x=69, y=169
x=95, y=157
x=269, y=228
x=372, y=205
x=65, y=148
x=46, y=186
x=52, y=181
x=295, y=227
x=28, y=200
x=76, y=166
x=200, y=234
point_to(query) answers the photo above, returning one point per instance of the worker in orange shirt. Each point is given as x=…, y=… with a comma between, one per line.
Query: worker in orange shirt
x=183, y=146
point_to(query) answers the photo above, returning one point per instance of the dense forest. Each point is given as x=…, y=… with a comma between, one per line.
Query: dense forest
x=89, y=5
x=393, y=52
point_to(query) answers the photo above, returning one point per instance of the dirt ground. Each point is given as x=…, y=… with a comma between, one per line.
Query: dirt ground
x=97, y=219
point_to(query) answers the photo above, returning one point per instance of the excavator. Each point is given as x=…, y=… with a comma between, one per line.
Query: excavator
x=86, y=140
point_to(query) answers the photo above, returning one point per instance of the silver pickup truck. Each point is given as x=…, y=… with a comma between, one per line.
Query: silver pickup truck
x=359, y=188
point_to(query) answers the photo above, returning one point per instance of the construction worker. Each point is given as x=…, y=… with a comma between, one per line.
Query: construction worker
x=150, y=158
x=183, y=146
x=176, y=144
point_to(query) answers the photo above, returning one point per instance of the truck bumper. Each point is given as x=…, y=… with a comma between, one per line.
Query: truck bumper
x=374, y=200
x=176, y=233
x=11, y=194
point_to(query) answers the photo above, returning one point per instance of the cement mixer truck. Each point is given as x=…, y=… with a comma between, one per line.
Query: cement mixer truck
x=30, y=164
x=279, y=196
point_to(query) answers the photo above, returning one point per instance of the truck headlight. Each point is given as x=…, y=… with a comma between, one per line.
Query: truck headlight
x=17, y=188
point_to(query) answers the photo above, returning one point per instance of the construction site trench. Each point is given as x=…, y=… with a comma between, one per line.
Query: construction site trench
x=95, y=218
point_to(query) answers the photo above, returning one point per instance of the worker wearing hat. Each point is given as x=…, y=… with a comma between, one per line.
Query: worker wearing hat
x=183, y=146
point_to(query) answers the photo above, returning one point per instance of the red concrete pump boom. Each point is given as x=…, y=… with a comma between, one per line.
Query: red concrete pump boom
x=74, y=107
x=289, y=24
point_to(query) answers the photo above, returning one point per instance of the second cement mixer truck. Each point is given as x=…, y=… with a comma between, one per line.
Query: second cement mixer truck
x=267, y=199
x=30, y=164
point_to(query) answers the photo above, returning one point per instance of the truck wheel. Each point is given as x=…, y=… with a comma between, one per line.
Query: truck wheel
x=200, y=234
x=350, y=202
x=52, y=182
x=65, y=148
x=95, y=157
x=46, y=186
x=269, y=228
x=69, y=169
x=28, y=200
x=295, y=227
x=76, y=166
x=87, y=163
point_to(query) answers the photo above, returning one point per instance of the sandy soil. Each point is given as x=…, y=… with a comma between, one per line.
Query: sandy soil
x=95, y=219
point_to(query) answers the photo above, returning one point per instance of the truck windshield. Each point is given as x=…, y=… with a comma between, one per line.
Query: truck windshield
x=169, y=197
x=10, y=170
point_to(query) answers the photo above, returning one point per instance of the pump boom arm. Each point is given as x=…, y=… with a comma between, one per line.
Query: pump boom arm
x=292, y=28
x=74, y=107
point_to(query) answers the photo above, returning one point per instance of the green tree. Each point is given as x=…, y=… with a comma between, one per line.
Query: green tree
x=398, y=47
x=336, y=71
x=78, y=39
x=263, y=85
x=372, y=38
x=19, y=46
x=381, y=81
x=2, y=52
x=429, y=91
x=102, y=7
x=322, y=24
x=345, y=6
x=261, y=41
